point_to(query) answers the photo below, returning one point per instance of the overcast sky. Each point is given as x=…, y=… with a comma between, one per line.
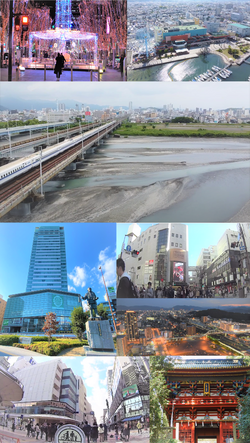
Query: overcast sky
x=180, y=94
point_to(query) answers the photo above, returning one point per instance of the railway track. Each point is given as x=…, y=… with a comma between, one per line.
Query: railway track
x=50, y=134
x=16, y=185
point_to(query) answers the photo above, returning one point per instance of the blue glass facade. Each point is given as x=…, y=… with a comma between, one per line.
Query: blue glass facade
x=48, y=267
x=26, y=312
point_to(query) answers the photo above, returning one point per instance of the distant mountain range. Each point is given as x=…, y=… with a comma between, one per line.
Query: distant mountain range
x=195, y=309
x=20, y=104
x=219, y=313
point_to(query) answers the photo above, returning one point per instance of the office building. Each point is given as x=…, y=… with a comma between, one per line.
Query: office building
x=46, y=286
x=3, y=304
x=158, y=255
x=51, y=392
x=48, y=269
x=128, y=391
x=131, y=325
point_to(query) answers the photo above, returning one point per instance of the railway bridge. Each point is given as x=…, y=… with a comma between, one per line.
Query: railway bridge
x=48, y=163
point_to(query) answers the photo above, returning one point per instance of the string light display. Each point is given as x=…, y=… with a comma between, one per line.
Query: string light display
x=100, y=30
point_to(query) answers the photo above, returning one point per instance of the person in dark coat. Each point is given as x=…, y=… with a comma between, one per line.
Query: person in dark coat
x=87, y=430
x=124, y=289
x=58, y=66
x=105, y=432
x=94, y=432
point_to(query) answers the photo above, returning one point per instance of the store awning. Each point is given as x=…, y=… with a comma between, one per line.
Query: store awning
x=132, y=418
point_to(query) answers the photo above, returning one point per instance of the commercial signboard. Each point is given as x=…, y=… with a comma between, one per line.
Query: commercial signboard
x=57, y=302
x=130, y=391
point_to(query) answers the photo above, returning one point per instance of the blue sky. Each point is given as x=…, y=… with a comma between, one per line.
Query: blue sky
x=93, y=371
x=88, y=246
x=201, y=235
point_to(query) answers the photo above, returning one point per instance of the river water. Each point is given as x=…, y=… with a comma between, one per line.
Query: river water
x=215, y=191
x=187, y=70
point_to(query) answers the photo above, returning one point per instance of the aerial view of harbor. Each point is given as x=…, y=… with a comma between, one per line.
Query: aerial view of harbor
x=188, y=41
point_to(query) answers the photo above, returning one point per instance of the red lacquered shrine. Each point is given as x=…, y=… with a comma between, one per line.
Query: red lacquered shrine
x=203, y=406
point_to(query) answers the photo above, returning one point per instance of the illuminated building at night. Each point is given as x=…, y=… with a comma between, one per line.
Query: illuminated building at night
x=131, y=325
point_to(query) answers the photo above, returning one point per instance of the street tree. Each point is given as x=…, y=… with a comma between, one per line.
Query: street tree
x=244, y=418
x=159, y=394
x=51, y=325
x=78, y=321
x=102, y=311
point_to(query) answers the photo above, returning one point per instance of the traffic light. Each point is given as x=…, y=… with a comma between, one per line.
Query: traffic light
x=25, y=22
x=17, y=23
x=234, y=245
x=134, y=253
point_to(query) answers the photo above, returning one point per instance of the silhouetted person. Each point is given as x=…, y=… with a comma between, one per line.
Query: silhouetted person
x=58, y=66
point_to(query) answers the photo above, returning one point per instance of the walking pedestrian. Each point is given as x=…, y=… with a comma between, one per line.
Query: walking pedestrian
x=58, y=66
x=37, y=428
x=101, y=433
x=105, y=432
x=94, y=432
x=87, y=430
x=139, y=427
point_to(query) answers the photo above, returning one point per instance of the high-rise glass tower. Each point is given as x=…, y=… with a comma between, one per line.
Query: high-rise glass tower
x=48, y=268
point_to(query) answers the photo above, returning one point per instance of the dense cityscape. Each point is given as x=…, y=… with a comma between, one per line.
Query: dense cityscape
x=186, y=330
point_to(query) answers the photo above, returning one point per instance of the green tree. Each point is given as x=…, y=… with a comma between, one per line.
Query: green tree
x=78, y=321
x=244, y=419
x=50, y=325
x=159, y=394
x=103, y=311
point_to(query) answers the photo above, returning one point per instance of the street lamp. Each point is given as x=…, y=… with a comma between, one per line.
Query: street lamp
x=108, y=300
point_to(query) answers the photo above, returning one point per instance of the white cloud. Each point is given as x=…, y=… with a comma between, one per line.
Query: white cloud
x=107, y=264
x=93, y=379
x=78, y=276
x=71, y=288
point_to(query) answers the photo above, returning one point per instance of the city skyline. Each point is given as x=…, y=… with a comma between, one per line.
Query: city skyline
x=142, y=94
x=82, y=267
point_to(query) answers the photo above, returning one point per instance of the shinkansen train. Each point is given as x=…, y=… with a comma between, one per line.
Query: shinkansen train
x=18, y=167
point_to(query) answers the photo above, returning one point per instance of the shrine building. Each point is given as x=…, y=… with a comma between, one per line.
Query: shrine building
x=204, y=400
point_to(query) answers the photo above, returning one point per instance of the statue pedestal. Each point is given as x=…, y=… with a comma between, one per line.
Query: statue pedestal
x=99, y=336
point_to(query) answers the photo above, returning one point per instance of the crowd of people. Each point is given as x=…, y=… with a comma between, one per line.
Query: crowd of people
x=94, y=433
x=126, y=288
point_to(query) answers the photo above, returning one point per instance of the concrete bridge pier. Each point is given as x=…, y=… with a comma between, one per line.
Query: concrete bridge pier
x=71, y=167
x=26, y=206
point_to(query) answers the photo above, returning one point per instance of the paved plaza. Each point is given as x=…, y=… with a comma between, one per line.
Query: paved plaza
x=37, y=75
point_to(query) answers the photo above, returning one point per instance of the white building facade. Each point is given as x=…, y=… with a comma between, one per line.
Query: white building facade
x=161, y=255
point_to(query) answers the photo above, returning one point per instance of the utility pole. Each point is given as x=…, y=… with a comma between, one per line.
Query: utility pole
x=10, y=41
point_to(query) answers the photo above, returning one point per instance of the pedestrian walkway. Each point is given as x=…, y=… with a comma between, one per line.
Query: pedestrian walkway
x=34, y=75
x=7, y=436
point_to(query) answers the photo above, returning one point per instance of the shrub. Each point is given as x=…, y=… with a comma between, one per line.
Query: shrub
x=37, y=338
x=52, y=348
x=8, y=340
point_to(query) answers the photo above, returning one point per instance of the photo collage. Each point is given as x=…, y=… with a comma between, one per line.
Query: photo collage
x=125, y=309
